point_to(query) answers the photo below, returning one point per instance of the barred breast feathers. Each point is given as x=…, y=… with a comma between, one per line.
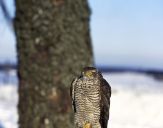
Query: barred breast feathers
x=87, y=100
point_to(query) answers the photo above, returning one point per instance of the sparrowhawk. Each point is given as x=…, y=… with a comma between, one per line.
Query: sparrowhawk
x=90, y=94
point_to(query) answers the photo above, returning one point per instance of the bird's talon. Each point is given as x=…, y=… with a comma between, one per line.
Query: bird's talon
x=87, y=125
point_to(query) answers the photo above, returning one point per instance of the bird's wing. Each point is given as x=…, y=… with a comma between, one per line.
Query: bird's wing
x=105, y=91
x=72, y=93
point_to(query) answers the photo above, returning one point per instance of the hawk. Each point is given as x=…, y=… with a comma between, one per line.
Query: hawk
x=90, y=94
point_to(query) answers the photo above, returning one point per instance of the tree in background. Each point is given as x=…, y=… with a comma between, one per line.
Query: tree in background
x=5, y=11
x=53, y=44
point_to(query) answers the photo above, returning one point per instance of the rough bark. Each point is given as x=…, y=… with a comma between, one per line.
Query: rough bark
x=53, y=44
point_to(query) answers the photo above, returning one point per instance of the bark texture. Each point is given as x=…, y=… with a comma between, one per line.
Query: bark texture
x=53, y=44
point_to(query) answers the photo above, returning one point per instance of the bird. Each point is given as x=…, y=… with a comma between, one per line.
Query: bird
x=90, y=94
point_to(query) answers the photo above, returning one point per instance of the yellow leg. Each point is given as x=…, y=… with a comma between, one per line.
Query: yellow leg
x=87, y=125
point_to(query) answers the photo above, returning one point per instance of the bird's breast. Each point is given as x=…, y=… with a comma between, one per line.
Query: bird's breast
x=87, y=99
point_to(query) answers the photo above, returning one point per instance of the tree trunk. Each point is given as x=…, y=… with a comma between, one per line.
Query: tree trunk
x=53, y=44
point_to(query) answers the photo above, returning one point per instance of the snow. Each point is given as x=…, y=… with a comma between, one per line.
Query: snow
x=8, y=104
x=136, y=102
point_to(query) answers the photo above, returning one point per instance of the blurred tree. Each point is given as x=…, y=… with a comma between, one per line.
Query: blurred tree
x=6, y=14
x=4, y=10
x=53, y=44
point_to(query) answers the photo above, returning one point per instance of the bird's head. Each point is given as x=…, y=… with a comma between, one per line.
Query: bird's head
x=90, y=72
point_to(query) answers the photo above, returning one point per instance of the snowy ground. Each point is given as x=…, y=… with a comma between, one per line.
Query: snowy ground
x=8, y=104
x=136, y=102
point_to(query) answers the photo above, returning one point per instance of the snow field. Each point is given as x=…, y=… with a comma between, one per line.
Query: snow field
x=136, y=102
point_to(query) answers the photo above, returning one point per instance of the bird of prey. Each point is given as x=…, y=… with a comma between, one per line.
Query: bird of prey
x=90, y=95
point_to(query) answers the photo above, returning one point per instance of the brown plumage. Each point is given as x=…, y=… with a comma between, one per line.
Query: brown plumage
x=90, y=94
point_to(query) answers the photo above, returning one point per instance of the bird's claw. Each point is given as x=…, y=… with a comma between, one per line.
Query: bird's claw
x=87, y=125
